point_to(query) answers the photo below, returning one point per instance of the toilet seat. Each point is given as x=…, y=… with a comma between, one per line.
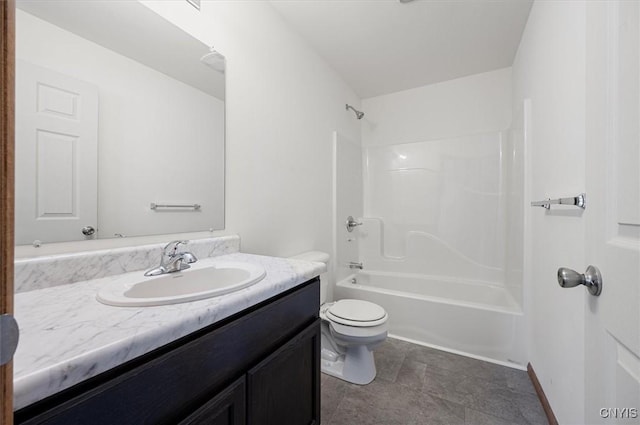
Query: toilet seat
x=356, y=313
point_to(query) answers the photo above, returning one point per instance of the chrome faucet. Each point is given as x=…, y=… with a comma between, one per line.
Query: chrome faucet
x=353, y=265
x=171, y=260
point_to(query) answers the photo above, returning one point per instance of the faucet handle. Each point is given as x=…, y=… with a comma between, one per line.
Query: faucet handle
x=172, y=247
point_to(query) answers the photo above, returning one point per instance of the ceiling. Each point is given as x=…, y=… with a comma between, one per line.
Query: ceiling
x=385, y=46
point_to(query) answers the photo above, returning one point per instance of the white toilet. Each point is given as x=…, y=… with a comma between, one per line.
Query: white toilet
x=351, y=330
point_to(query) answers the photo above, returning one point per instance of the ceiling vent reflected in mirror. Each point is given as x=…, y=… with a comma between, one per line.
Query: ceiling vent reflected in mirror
x=214, y=60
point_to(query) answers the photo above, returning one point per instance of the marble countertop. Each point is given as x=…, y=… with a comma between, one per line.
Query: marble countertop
x=67, y=336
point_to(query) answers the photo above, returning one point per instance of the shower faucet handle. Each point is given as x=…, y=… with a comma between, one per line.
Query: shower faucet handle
x=351, y=224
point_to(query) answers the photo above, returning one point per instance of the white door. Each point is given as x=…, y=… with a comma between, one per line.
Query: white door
x=612, y=322
x=56, y=156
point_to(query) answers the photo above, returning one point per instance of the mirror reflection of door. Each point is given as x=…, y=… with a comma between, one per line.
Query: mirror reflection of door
x=56, y=155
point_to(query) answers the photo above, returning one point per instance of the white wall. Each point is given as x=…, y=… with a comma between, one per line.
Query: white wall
x=549, y=69
x=159, y=140
x=283, y=104
x=476, y=104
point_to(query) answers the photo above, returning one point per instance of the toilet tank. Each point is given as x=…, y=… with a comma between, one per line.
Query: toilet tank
x=318, y=257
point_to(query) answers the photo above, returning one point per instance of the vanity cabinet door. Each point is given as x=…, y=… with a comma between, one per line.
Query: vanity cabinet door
x=227, y=408
x=285, y=387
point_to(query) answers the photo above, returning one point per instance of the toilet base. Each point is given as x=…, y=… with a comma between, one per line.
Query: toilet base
x=356, y=365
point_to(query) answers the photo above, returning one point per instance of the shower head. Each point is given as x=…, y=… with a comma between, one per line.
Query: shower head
x=359, y=114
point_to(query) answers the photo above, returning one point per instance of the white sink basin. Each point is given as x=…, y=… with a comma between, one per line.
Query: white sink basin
x=199, y=282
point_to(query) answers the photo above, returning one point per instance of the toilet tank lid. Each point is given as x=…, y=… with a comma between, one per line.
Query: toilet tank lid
x=317, y=256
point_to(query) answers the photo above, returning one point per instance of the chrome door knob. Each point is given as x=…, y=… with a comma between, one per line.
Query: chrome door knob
x=591, y=278
x=9, y=336
x=88, y=230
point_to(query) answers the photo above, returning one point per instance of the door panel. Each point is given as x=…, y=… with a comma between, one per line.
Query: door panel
x=56, y=155
x=54, y=176
x=625, y=122
x=612, y=350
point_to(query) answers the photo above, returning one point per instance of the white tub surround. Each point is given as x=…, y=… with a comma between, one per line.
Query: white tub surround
x=67, y=336
x=437, y=204
x=47, y=271
x=423, y=254
x=457, y=315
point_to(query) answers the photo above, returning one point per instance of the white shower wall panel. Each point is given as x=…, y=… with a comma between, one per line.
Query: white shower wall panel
x=438, y=206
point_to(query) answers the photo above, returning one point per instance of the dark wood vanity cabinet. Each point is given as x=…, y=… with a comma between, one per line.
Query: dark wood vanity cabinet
x=259, y=367
x=278, y=387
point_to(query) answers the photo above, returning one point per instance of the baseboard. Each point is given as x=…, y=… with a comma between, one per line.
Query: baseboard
x=543, y=398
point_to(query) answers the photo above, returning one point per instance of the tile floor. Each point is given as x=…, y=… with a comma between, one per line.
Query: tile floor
x=417, y=385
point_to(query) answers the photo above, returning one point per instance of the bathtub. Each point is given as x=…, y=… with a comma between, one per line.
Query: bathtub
x=472, y=318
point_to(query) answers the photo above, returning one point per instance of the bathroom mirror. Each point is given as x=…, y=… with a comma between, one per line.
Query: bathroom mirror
x=119, y=124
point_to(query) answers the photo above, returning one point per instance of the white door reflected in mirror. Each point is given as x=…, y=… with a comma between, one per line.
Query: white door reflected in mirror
x=56, y=155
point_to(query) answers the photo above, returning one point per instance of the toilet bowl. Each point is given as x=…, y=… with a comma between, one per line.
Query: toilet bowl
x=351, y=330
